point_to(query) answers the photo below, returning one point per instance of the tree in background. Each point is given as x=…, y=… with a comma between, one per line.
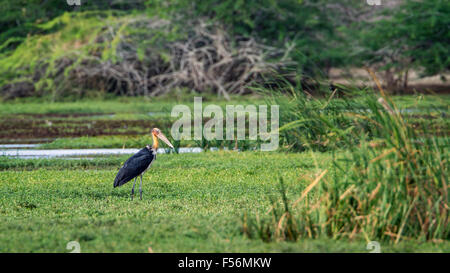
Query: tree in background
x=316, y=34
x=22, y=17
x=414, y=35
x=306, y=28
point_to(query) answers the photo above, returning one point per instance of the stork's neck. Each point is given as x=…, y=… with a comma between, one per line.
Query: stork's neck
x=155, y=142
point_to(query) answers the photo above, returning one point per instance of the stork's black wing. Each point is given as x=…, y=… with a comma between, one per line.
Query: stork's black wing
x=134, y=166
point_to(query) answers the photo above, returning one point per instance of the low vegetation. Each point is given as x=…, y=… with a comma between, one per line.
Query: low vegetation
x=385, y=184
x=391, y=184
x=192, y=202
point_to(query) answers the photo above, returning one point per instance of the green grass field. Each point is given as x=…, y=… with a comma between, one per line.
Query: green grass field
x=192, y=202
x=136, y=105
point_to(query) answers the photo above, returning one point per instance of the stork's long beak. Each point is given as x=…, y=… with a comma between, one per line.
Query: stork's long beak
x=164, y=138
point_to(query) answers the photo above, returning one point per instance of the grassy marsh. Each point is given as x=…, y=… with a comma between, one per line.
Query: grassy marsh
x=192, y=202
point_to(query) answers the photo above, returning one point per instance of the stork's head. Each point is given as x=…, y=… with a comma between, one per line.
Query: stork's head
x=158, y=134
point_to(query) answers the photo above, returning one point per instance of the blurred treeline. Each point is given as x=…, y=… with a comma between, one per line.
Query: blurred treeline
x=149, y=47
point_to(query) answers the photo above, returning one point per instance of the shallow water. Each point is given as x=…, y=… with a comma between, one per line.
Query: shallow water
x=47, y=153
x=16, y=146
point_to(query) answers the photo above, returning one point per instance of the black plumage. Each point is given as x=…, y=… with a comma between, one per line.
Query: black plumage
x=135, y=166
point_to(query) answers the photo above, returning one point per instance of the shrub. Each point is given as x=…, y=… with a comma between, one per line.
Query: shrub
x=134, y=55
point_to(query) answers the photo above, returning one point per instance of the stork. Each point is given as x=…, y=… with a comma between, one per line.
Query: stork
x=140, y=162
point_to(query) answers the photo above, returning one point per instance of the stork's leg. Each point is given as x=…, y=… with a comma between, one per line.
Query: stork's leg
x=132, y=190
x=140, y=188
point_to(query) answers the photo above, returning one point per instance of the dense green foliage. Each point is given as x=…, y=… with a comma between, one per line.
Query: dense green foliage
x=59, y=64
x=48, y=47
x=22, y=17
x=415, y=35
x=307, y=27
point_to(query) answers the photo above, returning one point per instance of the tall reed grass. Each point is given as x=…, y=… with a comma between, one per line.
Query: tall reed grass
x=317, y=122
x=390, y=183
